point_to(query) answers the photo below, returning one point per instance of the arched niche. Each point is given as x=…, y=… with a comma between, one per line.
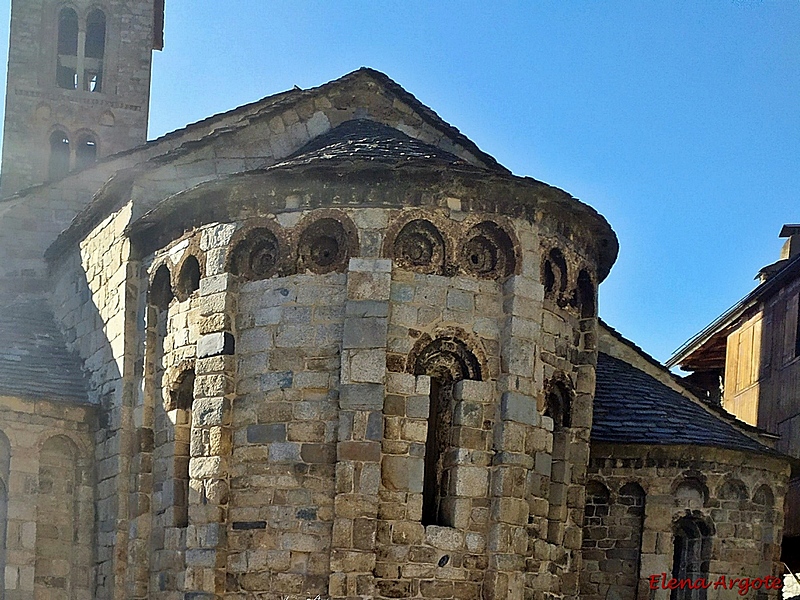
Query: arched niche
x=420, y=246
x=488, y=251
x=256, y=253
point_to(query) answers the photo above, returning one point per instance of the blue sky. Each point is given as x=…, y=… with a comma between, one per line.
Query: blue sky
x=679, y=121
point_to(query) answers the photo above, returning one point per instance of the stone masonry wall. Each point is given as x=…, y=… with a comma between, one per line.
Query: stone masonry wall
x=739, y=495
x=96, y=305
x=47, y=476
x=329, y=422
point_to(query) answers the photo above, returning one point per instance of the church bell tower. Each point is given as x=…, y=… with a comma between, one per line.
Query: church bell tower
x=78, y=85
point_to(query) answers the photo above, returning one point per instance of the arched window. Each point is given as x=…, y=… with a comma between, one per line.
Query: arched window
x=161, y=289
x=446, y=361
x=188, y=278
x=554, y=274
x=94, y=49
x=67, y=62
x=557, y=405
x=586, y=295
x=181, y=399
x=86, y=151
x=691, y=555
x=59, y=155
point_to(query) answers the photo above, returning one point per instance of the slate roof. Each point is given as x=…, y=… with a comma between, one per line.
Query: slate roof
x=34, y=360
x=631, y=407
x=366, y=140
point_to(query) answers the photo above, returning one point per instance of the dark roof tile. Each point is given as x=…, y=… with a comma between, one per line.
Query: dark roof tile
x=631, y=407
x=34, y=360
x=366, y=140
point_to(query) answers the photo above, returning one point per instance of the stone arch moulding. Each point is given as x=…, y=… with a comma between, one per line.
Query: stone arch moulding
x=690, y=485
x=259, y=250
x=325, y=241
x=764, y=496
x=489, y=250
x=452, y=346
x=733, y=489
x=84, y=449
x=419, y=240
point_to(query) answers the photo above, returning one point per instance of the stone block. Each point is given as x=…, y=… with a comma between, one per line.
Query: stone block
x=468, y=414
x=543, y=463
x=469, y=389
x=318, y=453
x=214, y=344
x=265, y=434
x=444, y=538
x=364, y=366
x=374, y=426
x=370, y=265
x=368, y=285
x=206, y=467
x=359, y=451
x=418, y=407
x=276, y=380
x=519, y=408
x=361, y=396
x=469, y=482
x=365, y=332
x=215, y=284
x=284, y=452
x=403, y=473
x=460, y=300
x=367, y=308
x=208, y=412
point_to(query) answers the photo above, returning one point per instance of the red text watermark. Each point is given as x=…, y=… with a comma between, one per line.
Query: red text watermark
x=742, y=585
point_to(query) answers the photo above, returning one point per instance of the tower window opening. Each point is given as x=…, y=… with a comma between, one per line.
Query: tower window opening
x=86, y=152
x=67, y=63
x=59, y=155
x=94, y=50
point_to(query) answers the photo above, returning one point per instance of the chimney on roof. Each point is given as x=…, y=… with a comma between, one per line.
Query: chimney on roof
x=791, y=247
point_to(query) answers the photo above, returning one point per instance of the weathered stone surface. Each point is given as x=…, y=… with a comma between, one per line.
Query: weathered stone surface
x=519, y=408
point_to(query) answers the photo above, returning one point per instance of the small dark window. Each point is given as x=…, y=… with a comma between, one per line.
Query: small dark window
x=554, y=275
x=67, y=64
x=161, y=290
x=59, y=155
x=181, y=399
x=586, y=295
x=94, y=49
x=691, y=556
x=557, y=406
x=86, y=152
x=188, y=278
x=182, y=395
